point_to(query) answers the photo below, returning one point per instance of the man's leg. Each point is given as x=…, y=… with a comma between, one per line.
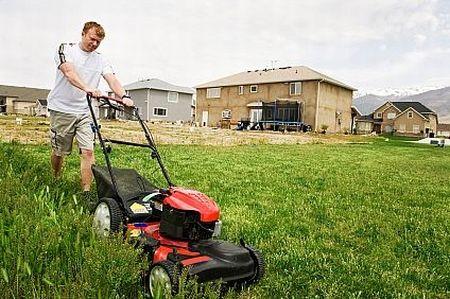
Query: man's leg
x=61, y=137
x=85, y=139
x=87, y=160
x=57, y=163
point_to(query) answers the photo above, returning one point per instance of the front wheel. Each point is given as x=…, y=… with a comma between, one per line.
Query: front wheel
x=161, y=281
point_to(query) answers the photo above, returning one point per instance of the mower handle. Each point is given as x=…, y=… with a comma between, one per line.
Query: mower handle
x=108, y=100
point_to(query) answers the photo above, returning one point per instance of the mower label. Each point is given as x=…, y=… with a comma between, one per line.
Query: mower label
x=138, y=208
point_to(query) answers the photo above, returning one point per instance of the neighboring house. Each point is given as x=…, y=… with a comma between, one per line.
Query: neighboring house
x=364, y=124
x=405, y=118
x=41, y=108
x=20, y=100
x=284, y=96
x=159, y=100
x=443, y=130
x=355, y=115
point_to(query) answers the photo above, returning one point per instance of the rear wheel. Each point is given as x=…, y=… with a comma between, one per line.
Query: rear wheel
x=161, y=280
x=107, y=217
x=260, y=265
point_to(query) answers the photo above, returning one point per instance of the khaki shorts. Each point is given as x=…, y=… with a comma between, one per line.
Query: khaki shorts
x=65, y=126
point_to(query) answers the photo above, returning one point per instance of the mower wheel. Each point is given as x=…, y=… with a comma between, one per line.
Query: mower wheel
x=107, y=217
x=161, y=281
x=260, y=266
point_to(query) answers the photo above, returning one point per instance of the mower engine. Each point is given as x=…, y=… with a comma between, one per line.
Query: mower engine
x=189, y=215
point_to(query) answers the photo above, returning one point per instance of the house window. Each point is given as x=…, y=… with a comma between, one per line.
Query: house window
x=378, y=115
x=253, y=88
x=416, y=129
x=410, y=114
x=158, y=111
x=241, y=89
x=213, y=93
x=391, y=115
x=295, y=88
x=402, y=128
x=226, y=114
x=172, y=97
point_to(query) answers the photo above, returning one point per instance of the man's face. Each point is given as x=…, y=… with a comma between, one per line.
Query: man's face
x=90, y=40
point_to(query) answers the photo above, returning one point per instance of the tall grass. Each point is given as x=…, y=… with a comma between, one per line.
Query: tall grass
x=47, y=248
x=359, y=220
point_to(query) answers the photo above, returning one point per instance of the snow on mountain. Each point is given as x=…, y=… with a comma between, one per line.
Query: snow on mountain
x=397, y=92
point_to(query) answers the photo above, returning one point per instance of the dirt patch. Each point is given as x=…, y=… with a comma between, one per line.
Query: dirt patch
x=34, y=130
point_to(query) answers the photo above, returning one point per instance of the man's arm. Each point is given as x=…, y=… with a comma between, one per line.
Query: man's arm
x=69, y=72
x=117, y=88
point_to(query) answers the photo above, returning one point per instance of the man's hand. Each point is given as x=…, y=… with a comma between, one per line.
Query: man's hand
x=94, y=92
x=127, y=102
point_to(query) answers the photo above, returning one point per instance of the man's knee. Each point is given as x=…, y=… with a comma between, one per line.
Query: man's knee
x=87, y=154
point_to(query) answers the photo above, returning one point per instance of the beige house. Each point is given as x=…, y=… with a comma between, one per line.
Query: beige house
x=287, y=97
x=443, y=130
x=404, y=118
x=20, y=100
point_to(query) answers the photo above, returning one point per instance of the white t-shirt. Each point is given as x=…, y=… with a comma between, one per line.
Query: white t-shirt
x=90, y=67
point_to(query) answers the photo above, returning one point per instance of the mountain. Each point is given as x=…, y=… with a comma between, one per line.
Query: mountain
x=437, y=100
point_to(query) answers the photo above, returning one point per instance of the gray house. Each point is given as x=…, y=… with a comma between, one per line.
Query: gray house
x=159, y=100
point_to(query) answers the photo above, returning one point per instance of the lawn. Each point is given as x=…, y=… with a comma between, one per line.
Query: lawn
x=332, y=220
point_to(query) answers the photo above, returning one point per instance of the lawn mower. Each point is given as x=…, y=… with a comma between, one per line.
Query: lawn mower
x=177, y=227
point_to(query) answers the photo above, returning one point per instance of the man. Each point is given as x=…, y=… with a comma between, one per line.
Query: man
x=79, y=69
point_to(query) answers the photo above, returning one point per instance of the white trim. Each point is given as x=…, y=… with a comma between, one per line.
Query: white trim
x=159, y=114
x=176, y=98
x=378, y=115
x=251, y=86
x=392, y=105
x=297, y=90
x=240, y=89
x=411, y=108
x=213, y=93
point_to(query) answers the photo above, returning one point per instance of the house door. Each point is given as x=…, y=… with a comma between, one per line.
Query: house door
x=204, y=118
x=255, y=115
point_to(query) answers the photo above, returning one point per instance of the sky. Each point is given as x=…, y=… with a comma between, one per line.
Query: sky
x=363, y=43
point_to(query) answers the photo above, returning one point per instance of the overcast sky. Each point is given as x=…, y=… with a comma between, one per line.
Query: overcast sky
x=366, y=44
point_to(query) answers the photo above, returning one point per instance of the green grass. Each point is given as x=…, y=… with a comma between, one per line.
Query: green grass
x=347, y=221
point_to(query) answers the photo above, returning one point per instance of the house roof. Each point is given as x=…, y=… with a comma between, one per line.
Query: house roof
x=42, y=102
x=282, y=74
x=27, y=94
x=365, y=118
x=356, y=110
x=419, y=107
x=158, y=84
x=443, y=127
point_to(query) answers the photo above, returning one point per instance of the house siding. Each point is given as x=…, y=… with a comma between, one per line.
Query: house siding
x=417, y=119
x=139, y=97
x=334, y=105
x=180, y=111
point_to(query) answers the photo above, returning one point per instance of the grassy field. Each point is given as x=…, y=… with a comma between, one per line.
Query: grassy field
x=365, y=220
